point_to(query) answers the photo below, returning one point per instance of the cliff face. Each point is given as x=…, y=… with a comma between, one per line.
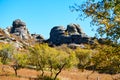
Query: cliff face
x=73, y=34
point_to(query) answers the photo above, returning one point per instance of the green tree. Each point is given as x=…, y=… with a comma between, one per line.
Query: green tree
x=62, y=60
x=38, y=57
x=20, y=61
x=44, y=57
x=6, y=52
x=107, y=59
x=84, y=57
x=104, y=13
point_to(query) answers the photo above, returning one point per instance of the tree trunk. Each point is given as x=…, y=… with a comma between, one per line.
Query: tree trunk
x=60, y=69
x=15, y=72
x=51, y=69
x=15, y=69
x=57, y=74
x=42, y=72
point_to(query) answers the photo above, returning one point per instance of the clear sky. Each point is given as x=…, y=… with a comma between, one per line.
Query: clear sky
x=41, y=15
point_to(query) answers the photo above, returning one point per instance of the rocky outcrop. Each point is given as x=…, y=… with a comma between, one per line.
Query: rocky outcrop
x=18, y=35
x=19, y=29
x=74, y=29
x=73, y=34
x=38, y=38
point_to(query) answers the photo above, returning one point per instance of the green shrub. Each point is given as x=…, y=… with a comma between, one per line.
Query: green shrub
x=84, y=57
x=107, y=59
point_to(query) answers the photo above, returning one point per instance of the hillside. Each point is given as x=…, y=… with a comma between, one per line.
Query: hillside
x=69, y=54
x=20, y=35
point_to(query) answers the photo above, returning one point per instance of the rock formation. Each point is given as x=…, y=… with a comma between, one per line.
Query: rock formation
x=19, y=29
x=18, y=35
x=73, y=29
x=73, y=34
x=37, y=38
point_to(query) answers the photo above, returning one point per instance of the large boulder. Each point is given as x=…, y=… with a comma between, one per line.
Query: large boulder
x=73, y=29
x=73, y=34
x=18, y=23
x=19, y=29
x=57, y=30
x=57, y=34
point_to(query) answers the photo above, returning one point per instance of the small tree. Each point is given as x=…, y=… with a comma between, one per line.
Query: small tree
x=38, y=57
x=44, y=57
x=107, y=59
x=20, y=61
x=6, y=52
x=59, y=61
x=84, y=57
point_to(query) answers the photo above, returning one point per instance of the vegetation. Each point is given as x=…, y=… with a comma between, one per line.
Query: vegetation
x=98, y=57
x=20, y=60
x=104, y=15
x=6, y=52
x=44, y=57
x=107, y=59
x=104, y=57
x=84, y=56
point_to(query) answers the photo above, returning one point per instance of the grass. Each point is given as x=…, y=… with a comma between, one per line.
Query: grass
x=73, y=74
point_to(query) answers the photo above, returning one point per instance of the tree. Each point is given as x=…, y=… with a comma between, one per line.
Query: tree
x=84, y=57
x=38, y=57
x=62, y=60
x=104, y=13
x=107, y=59
x=6, y=52
x=44, y=57
x=20, y=61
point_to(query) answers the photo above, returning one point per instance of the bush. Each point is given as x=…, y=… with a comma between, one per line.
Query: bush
x=6, y=52
x=84, y=57
x=107, y=59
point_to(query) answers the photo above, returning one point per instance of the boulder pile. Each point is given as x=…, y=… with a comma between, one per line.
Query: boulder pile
x=73, y=34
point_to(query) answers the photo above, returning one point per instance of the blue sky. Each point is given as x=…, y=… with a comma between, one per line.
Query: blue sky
x=41, y=15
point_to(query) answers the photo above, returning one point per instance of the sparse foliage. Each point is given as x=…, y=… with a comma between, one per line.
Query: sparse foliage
x=104, y=13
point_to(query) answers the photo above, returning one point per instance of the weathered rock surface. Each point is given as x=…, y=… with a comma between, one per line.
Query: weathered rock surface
x=18, y=35
x=73, y=34
x=19, y=29
x=74, y=29
x=38, y=38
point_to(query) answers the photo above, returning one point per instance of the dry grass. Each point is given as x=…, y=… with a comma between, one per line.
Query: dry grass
x=74, y=74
